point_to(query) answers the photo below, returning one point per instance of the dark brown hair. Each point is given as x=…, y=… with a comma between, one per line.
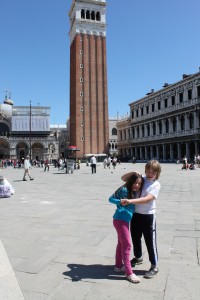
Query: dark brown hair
x=129, y=183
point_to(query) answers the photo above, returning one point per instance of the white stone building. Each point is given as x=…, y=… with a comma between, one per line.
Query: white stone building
x=25, y=130
x=165, y=124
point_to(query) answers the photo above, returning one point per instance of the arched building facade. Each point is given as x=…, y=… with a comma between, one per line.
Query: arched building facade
x=25, y=130
x=164, y=124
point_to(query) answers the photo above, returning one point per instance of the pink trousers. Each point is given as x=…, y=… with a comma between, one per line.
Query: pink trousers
x=123, y=248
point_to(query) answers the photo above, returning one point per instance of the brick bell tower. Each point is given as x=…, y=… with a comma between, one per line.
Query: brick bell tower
x=88, y=77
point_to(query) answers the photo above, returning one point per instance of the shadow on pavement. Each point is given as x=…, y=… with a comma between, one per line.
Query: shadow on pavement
x=78, y=272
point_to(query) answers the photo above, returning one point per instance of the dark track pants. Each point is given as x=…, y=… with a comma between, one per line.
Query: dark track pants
x=144, y=225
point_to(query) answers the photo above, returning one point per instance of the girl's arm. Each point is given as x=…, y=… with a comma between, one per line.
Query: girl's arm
x=118, y=195
x=141, y=200
x=114, y=200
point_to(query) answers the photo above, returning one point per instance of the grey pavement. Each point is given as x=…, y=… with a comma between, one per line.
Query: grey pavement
x=58, y=241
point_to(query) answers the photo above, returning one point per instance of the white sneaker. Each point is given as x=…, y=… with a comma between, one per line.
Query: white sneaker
x=119, y=270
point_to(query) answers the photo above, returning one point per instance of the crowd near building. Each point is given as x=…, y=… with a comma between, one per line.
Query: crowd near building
x=165, y=124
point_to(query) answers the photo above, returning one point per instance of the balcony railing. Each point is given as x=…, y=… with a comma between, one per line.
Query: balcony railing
x=180, y=133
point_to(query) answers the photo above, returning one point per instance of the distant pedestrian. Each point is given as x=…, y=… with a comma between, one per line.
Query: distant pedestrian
x=185, y=163
x=114, y=162
x=46, y=165
x=105, y=163
x=27, y=167
x=109, y=162
x=93, y=163
x=121, y=221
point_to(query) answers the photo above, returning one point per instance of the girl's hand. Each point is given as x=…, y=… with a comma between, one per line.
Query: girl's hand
x=124, y=202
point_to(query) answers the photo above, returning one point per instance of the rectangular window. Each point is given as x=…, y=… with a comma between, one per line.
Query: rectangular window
x=158, y=105
x=132, y=114
x=166, y=104
x=142, y=111
x=173, y=100
x=189, y=94
x=147, y=109
x=137, y=113
x=152, y=107
x=181, y=97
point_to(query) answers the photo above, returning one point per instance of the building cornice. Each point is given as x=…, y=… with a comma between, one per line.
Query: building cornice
x=169, y=90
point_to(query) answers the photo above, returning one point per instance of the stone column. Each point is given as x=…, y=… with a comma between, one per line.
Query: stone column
x=164, y=151
x=171, y=152
x=146, y=154
x=157, y=152
x=141, y=156
x=178, y=123
x=179, y=150
x=187, y=150
x=196, y=148
x=151, y=152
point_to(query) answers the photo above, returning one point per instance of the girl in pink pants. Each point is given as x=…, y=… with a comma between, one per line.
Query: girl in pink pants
x=121, y=220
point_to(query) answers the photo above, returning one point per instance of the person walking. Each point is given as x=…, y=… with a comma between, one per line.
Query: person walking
x=121, y=221
x=46, y=165
x=144, y=219
x=27, y=167
x=93, y=162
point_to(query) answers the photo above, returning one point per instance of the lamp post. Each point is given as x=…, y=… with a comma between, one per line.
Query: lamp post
x=30, y=133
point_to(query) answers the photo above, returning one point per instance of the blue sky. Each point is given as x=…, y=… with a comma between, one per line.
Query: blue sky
x=148, y=43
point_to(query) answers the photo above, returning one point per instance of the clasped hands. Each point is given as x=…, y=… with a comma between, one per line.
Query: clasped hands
x=124, y=202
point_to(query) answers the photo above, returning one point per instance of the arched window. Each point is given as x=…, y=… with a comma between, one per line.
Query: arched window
x=167, y=126
x=148, y=130
x=182, y=123
x=82, y=14
x=88, y=14
x=142, y=130
x=174, y=124
x=114, y=131
x=160, y=127
x=98, y=16
x=133, y=132
x=138, y=132
x=92, y=15
x=154, y=128
x=191, y=121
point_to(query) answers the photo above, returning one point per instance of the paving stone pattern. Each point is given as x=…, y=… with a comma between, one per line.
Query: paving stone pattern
x=58, y=235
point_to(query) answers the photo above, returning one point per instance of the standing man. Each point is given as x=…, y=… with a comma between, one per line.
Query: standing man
x=46, y=165
x=93, y=162
x=27, y=166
